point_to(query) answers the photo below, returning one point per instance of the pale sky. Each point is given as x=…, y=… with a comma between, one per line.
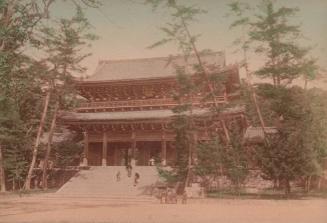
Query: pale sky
x=127, y=27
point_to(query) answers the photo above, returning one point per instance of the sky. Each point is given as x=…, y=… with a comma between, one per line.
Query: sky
x=127, y=27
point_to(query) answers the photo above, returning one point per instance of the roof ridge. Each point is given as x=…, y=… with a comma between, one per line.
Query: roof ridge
x=149, y=67
x=154, y=58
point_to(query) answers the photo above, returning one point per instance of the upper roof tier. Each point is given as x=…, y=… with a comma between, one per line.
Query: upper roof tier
x=149, y=68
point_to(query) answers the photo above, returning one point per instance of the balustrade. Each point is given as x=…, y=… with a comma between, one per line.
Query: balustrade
x=166, y=102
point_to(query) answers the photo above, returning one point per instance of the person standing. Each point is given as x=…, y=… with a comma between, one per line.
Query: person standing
x=129, y=170
x=136, y=179
x=118, y=176
x=151, y=161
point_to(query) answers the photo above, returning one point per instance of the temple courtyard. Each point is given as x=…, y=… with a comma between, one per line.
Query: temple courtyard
x=47, y=208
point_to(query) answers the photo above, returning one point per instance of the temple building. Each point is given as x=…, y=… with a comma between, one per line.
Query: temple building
x=127, y=113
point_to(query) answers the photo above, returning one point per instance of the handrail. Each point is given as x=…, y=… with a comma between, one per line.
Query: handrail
x=140, y=103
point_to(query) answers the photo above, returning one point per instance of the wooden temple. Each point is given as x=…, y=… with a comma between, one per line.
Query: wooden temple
x=127, y=112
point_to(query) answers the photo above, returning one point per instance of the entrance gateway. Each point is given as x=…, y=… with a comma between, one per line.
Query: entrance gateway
x=128, y=110
x=121, y=153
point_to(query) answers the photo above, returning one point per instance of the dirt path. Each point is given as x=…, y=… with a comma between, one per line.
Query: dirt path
x=41, y=209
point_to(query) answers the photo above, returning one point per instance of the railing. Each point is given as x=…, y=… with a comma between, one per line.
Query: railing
x=167, y=102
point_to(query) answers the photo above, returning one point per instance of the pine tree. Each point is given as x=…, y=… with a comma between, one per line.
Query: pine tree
x=209, y=164
x=242, y=20
x=277, y=40
x=63, y=43
x=178, y=32
x=297, y=150
x=21, y=76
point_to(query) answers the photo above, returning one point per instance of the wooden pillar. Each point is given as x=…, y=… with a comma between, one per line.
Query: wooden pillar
x=194, y=148
x=133, y=142
x=114, y=151
x=86, y=149
x=104, y=149
x=163, y=150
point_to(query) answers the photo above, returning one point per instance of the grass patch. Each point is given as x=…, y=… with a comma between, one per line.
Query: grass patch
x=21, y=193
x=268, y=194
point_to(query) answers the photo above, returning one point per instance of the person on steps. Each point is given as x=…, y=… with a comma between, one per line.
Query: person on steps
x=136, y=179
x=129, y=170
x=118, y=176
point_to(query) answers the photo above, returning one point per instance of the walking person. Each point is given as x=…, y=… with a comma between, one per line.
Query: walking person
x=118, y=176
x=136, y=179
x=129, y=170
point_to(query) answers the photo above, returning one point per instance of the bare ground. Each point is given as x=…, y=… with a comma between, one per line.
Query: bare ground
x=39, y=208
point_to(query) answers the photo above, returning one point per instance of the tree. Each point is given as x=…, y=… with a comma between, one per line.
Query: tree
x=298, y=149
x=64, y=43
x=183, y=125
x=276, y=39
x=20, y=74
x=17, y=20
x=214, y=159
x=235, y=160
x=291, y=154
x=178, y=32
x=242, y=20
x=66, y=152
x=209, y=164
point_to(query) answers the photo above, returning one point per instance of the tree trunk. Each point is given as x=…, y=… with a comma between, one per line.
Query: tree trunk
x=47, y=154
x=287, y=187
x=308, y=184
x=190, y=148
x=305, y=83
x=13, y=184
x=2, y=173
x=319, y=183
x=278, y=80
x=27, y=185
x=276, y=184
x=254, y=95
x=206, y=76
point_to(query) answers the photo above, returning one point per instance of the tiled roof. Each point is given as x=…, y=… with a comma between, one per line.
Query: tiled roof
x=111, y=70
x=128, y=115
x=138, y=115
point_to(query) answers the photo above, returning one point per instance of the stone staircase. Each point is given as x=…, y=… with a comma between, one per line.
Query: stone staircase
x=101, y=183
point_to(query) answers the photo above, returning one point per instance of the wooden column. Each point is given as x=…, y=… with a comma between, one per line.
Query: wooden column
x=163, y=150
x=86, y=149
x=133, y=142
x=104, y=149
x=194, y=148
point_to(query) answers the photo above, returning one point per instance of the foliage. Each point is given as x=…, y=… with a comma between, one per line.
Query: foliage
x=293, y=153
x=235, y=160
x=23, y=78
x=204, y=77
x=16, y=166
x=67, y=153
x=19, y=82
x=209, y=161
x=183, y=126
x=63, y=43
x=215, y=159
x=270, y=34
x=177, y=31
x=299, y=148
x=12, y=137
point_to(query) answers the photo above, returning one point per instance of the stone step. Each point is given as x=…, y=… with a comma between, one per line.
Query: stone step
x=117, y=199
x=101, y=182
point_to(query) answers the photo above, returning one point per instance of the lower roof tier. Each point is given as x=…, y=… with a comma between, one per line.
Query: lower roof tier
x=148, y=121
x=140, y=115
